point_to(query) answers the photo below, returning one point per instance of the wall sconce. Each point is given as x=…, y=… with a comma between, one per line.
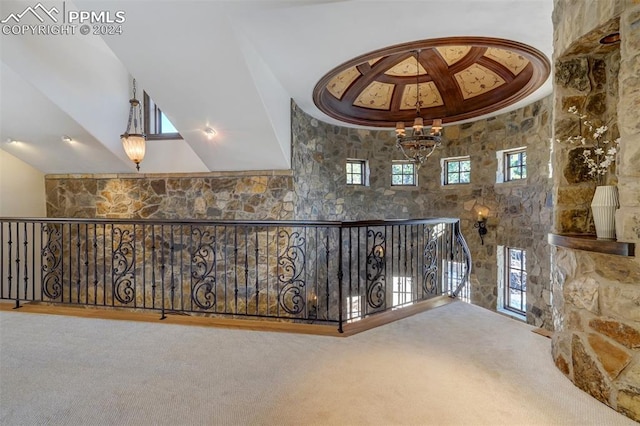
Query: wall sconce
x=481, y=222
x=312, y=313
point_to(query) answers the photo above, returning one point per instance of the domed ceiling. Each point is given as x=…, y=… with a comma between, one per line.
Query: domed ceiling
x=457, y=79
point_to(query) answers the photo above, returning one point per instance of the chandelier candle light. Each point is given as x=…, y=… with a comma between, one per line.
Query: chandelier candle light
x=418, y=144
x=133, y=139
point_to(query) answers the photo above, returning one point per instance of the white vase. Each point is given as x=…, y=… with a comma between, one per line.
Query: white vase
x=604, y=206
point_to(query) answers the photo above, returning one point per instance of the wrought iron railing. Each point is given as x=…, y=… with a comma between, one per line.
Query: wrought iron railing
x=325, y=272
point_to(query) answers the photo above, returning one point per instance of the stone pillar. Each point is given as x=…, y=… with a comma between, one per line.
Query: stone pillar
x=628, y=216
x=596, y=297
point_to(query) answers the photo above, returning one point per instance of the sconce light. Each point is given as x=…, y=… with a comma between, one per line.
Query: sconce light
x=481, y=222
x=313, y=307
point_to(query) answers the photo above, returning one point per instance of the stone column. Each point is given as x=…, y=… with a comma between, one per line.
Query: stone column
x=628, y=169
x=596, y=297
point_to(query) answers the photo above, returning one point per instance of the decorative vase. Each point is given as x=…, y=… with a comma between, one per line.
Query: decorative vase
x=603, y=207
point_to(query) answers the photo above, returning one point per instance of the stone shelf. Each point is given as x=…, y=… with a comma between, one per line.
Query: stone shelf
x=591, y=243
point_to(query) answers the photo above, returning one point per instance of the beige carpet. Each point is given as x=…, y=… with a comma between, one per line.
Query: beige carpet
x=454, y=365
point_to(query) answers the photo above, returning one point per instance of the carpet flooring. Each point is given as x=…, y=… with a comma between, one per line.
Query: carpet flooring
x=454, y=365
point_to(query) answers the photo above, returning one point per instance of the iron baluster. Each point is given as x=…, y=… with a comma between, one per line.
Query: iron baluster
x=78, y=262
x=95, y=264
x=26, y=262
x=163, y=272
x=327, y=252
x=153, y=266
x=246, y=271
x=235, y=269
x=256, y=283
x=172, y=260
x=340, y=283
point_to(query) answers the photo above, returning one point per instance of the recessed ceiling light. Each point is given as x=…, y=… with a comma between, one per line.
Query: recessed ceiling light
x=67, y=139
x=210, y=132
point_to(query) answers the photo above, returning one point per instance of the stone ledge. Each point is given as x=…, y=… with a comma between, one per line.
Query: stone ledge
x=591, y=243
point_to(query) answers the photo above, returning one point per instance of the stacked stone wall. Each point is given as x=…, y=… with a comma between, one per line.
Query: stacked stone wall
x=519, y=212
x=222, y=196
x=596, y=297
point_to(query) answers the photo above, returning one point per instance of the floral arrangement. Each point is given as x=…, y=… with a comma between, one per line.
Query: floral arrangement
x=600, y=152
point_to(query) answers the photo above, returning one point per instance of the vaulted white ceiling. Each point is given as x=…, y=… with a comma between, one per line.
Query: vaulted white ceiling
x=233, y=65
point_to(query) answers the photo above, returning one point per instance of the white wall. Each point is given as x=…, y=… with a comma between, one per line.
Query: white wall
x=22, y=192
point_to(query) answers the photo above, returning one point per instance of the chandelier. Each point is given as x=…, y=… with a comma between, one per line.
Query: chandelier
x=133, y=139
x=418, y=143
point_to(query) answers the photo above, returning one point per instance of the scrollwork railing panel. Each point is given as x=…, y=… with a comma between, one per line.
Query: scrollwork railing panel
x=376, y=289
x=52, y=261
x=123, y=264
x=291, y=268
x=203, y=263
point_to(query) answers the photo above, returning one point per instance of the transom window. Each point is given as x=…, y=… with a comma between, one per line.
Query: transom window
x=515, y=165
x=515, y=288
x=456, y=170
x=356, y=172
x=403, y=173
x=157, y=125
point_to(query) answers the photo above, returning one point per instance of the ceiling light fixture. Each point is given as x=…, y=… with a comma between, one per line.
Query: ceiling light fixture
x=210, y=132
x=418, y=144
x=133, y=139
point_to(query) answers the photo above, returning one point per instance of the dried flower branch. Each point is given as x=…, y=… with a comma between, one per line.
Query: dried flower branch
x=600, y=152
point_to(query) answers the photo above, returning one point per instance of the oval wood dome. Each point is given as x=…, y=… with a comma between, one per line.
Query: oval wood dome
x=459, y=78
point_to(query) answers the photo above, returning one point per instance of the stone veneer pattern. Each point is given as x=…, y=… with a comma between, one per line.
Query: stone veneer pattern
x=596, y=297
x=520, y=212
x=315, y=189
x=228, y=196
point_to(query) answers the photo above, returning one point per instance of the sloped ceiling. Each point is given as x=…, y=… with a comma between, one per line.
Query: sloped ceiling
x=233, y=65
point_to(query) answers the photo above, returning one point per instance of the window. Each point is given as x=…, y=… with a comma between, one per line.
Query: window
x=402, y=291
x=515, y=165
x=514, y=280
x=454, y=273
x=512, y=165
x=356, y=172
x=456, y=170
x=403, y=173
x=156, y=123
x=354, y=313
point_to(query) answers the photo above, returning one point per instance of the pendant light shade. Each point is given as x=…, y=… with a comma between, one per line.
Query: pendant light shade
x=133, y=139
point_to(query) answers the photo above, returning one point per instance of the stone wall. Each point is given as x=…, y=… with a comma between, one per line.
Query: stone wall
x=228, y=196
x=596, y=297
x=519, y=212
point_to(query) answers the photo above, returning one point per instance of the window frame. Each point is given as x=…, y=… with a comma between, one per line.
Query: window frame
x=155, y=134
x=402, y=291
x=459, y=172
x=414, y=173
x=354, y=308
x=522, y=271
x=522, y=154
x=364, y=174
